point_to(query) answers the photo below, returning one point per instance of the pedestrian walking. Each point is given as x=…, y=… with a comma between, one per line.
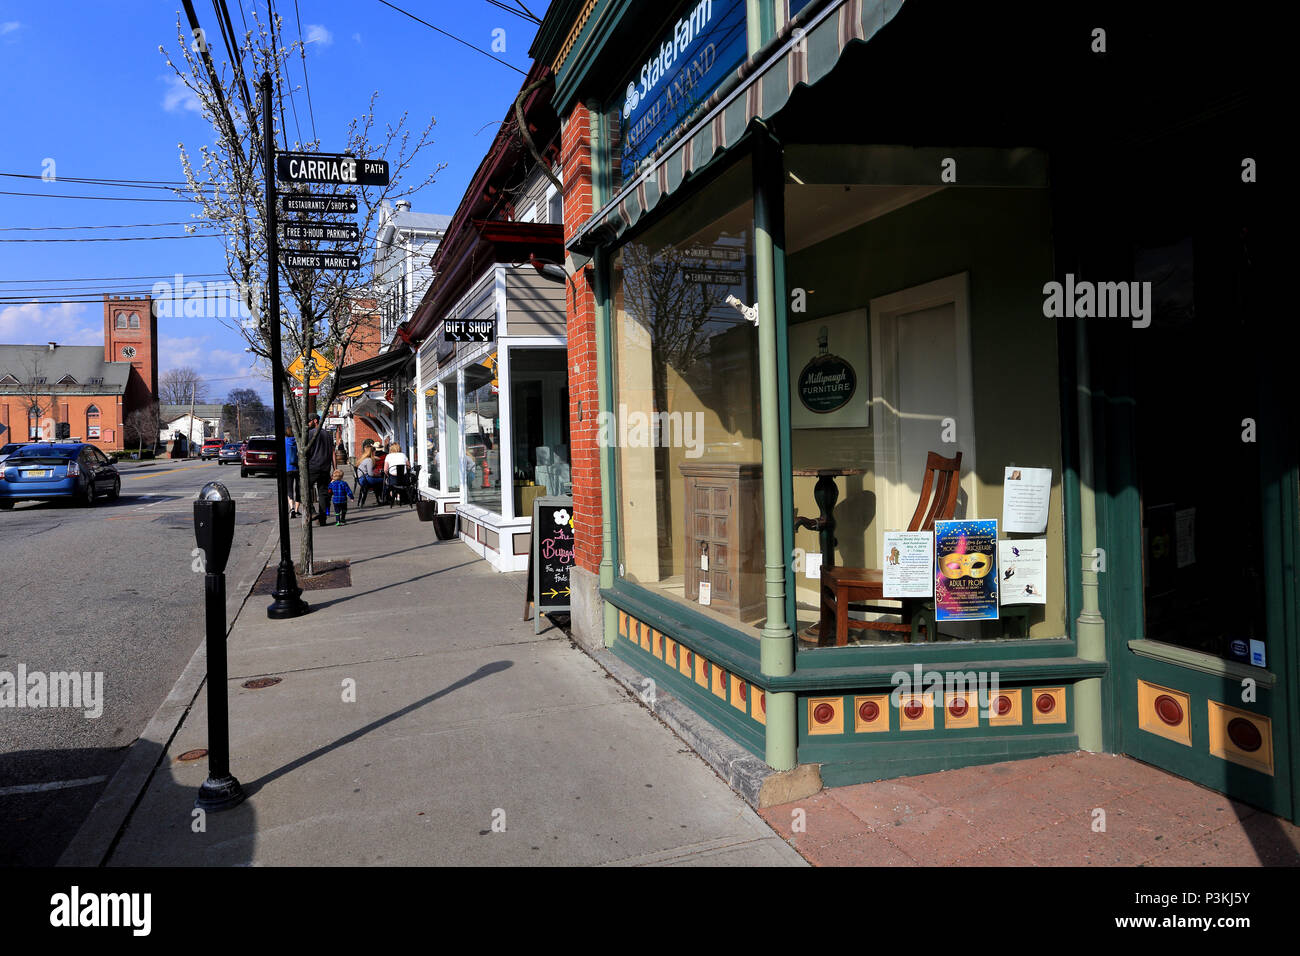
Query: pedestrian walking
x=320, y=464
x=291, y=479
x=340, y=492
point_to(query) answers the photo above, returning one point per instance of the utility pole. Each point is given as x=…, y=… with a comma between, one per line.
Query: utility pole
x=189, y=432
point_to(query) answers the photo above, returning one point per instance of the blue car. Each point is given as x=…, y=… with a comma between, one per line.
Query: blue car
x=45, y=470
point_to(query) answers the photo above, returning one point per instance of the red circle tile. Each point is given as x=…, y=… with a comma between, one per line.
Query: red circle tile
x=762, y=701
x=1169, y=710
x=958, y=707
x=1245, y=734
x=913, y=709
x=743, y=691
x=1045, y=703
x=823, y=713
x=1003, y=705
x=868, y=710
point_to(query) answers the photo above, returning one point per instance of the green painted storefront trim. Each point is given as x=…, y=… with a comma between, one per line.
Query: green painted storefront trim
x=825, y=658
x=906, y=758
x=1199, y=661
x=738, y=653
x=739, y=726
x=1010, y=671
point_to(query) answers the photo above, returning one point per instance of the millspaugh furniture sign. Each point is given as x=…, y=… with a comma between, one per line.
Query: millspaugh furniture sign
x=705, y=44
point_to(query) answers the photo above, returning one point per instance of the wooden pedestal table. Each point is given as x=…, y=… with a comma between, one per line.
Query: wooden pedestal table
x=826, y=494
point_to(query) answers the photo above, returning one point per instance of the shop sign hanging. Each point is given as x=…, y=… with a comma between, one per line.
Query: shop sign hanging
x=696, y=53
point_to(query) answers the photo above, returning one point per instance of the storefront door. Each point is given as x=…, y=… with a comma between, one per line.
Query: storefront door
x=1202, y=529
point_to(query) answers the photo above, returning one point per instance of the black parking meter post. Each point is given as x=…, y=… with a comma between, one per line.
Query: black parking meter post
x=214, y=530
x=286, y=599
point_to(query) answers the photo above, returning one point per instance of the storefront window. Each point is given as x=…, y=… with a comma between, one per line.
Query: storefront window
x=482, y=448
x=432, y=452
x=685, y=419
x=539, y=419
x=916, y=329
x=451, y=427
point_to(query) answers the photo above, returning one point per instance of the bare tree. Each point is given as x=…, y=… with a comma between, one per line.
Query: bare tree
x=182, y=386
x=225, y=180
x=144, y=421
x=38, y=397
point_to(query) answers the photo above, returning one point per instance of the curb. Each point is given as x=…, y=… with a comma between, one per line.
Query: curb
x=98, y=834
x=757, y=784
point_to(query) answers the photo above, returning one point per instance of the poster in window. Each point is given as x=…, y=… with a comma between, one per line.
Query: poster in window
x=830, y=372
x=1023, y=566
x=966, y=570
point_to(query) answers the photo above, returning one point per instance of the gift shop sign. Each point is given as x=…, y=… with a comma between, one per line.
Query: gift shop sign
x=692, y=57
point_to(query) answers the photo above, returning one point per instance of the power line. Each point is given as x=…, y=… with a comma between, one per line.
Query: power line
x=117, y=238
x=302, y=49
x=522, y=15
x=101, y=198
x=453, y=37
x=104, y=181
x=134, y=225
x=116, y=278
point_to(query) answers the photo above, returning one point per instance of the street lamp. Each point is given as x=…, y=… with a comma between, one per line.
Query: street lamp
x=214, y=530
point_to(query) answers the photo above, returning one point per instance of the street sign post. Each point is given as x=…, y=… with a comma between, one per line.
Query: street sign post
x=317, y=367
x=336, y=169
x=322, y=232
x=292, y=202
x=299, y=259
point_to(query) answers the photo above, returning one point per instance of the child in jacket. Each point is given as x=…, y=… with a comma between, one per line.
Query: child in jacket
x=340, y=492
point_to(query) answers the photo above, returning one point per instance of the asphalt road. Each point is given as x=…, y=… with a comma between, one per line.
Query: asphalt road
x=108, y=589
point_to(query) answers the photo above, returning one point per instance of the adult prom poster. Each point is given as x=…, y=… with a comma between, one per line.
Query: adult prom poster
x=966, y=572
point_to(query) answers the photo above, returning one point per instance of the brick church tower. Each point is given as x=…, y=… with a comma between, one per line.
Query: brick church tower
x=131, y=335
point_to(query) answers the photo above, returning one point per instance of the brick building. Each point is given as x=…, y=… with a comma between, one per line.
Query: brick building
x=91, y=389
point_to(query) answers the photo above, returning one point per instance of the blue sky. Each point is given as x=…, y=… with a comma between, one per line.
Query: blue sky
x=85, y=86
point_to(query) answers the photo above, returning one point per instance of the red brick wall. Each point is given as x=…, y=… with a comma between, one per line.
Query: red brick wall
x=65, y=408
x=142, y=386
x=584, y=398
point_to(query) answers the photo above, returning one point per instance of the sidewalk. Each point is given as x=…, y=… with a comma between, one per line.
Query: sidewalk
x=1039, y=812
x=462, y=719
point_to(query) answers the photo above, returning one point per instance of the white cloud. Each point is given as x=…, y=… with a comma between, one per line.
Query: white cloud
x=33, y=323
x=179, y=96
x=318, y=34
x=357, y=37
x=9, y=26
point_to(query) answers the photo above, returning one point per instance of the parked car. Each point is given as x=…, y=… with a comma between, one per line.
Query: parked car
x=45, y=470
x=231, y=452
x=211, y=448
x=260, y=454
x=9, y=449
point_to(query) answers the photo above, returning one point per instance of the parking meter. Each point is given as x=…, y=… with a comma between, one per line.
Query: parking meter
x=214, y=530
x=214, y=525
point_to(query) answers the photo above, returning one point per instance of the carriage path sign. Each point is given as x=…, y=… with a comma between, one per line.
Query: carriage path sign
x=334, y=169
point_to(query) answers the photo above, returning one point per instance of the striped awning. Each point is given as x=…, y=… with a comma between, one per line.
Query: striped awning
x=756, y=90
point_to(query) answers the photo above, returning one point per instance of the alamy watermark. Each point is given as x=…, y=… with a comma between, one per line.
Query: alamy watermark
x=224, y=299
x=624, y=429
x=984, y=684
x=1082, y=299
x=79, y=690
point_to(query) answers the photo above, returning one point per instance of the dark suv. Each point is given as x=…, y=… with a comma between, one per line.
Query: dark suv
x=260, y=454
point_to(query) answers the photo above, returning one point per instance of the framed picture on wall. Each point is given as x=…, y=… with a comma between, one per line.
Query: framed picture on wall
x=830, y=372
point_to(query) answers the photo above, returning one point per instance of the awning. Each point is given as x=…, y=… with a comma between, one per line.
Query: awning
x=373, y=369
x=757, y=91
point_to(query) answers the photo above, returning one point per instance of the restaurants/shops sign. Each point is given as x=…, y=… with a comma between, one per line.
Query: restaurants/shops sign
x=290, y=202
x=693, y=55
x=469, y=330
x=331, y=169
x=322, y=232
x=296, y=259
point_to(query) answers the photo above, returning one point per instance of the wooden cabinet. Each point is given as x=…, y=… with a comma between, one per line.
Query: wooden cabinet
x=724, y=510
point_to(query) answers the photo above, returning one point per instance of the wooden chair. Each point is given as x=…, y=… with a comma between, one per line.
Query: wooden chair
x=845, y=588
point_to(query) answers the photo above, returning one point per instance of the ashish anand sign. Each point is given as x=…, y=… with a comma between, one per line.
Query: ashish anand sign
x=705, y=44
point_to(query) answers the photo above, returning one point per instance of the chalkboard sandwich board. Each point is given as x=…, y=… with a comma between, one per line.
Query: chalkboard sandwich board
x=550, y=557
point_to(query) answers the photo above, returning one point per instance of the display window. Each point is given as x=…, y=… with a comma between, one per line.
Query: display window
x=924, y=405
x=432, y=450
x=539, y=423
x=481, y=444
x=684, y=421
x=451, y=427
